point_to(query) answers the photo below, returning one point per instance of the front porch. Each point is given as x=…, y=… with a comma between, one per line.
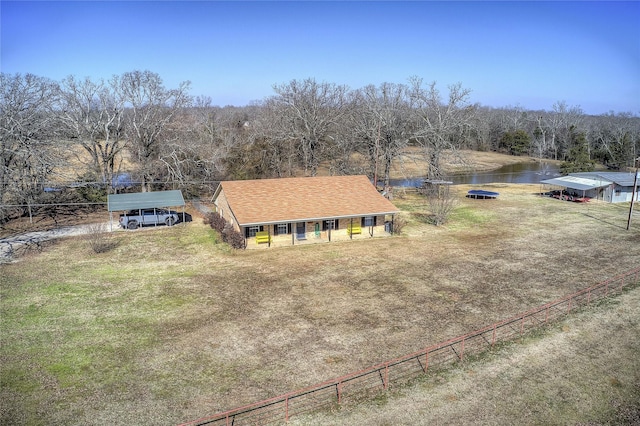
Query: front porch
x=317, y=231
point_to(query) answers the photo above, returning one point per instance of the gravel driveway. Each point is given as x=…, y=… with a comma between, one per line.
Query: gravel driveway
x=11, y=246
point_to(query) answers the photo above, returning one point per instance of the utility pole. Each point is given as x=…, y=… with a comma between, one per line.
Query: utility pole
x=633, y=196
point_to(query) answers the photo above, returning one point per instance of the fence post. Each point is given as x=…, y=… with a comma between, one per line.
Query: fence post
x=462, y=350
x=522, y=327
x=569, y=308
x=386, y=375
x=606, y=288
x=589, y=297
x=546, y=315
x=286, y=409
x=493, y=337
x=339, y=391
x=426, y=359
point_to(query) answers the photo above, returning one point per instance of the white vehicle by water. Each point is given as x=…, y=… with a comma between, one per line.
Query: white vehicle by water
x=135, y=218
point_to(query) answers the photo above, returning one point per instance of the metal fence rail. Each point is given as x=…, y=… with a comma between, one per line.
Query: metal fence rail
x=371, y=381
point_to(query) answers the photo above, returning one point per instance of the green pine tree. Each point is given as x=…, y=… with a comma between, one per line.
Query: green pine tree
x=578, y=159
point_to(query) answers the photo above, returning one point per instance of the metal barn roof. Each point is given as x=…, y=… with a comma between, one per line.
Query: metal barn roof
x=575, y=182
x=145, y=200
x=620, y=178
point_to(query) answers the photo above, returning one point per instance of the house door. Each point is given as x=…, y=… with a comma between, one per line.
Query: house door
x=301, y=231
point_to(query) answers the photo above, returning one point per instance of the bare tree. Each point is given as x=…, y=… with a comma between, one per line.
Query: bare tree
x=203, y=140
x=513, y=118
x=311, y=112
x=275, y=149
x=540, y=142
x=28, y=153
x=150, y=110
x=440, y=125
x=92, y=114
x=615, y=139
x=441, y=202
x=480, y=137
x=559, y=123
x=382, y=125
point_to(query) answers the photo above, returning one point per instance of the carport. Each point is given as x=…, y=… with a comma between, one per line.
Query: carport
x=144, y=200
x=577, y=183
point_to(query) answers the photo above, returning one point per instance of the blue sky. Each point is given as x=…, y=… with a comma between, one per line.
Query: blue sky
x=528, y=54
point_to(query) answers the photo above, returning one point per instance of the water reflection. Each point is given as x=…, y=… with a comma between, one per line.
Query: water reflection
x=512, y=173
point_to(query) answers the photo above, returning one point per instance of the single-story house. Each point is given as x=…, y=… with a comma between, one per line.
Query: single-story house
x=291, y=211
x=613, y=187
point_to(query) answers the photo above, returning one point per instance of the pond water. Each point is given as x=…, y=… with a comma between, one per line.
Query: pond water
x=512, y=173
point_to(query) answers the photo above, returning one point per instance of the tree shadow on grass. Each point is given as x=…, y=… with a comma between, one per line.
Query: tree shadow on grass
x=607, y=221
x=427, y=218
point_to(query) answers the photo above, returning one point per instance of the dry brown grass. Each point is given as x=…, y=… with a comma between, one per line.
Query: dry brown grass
x=411, y=163
x=584, y=370
x=171, y=325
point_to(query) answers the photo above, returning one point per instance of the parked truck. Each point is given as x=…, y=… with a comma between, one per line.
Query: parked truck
x=135, y=218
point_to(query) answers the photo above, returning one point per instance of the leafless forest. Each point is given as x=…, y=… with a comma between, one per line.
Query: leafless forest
x=131, y=131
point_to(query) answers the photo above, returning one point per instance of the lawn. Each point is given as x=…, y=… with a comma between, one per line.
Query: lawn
x=172, y=325
x=584, y=369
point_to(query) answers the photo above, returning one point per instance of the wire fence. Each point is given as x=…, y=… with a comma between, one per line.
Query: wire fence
x=369, y=382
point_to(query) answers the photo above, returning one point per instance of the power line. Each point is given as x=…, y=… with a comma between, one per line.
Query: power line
x=51, y=204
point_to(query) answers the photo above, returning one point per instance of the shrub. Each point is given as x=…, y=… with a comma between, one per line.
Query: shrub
x=229, y=235
x=399, y=222
x=216, y=222
x=232, y=237
x=98, y=238
x=89, y=188
x=441, y=203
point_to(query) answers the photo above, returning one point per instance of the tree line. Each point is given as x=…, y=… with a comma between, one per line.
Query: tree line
x=165, y=138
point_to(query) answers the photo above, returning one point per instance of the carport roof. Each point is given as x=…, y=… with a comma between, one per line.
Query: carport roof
x=145, y=200
x=573, y=182
x=620, y=178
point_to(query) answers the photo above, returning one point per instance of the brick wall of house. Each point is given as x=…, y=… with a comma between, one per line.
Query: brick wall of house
x=223, y=209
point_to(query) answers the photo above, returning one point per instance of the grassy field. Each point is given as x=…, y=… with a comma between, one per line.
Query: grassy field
x=583, y=370
x=173, y=325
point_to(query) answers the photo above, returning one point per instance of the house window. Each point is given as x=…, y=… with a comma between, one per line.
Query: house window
x=282, y=228
x=329, y=224
x=369, y=221
x=251, y=231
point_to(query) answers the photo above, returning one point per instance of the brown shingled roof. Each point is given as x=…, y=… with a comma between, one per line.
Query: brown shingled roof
x=306, y=198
